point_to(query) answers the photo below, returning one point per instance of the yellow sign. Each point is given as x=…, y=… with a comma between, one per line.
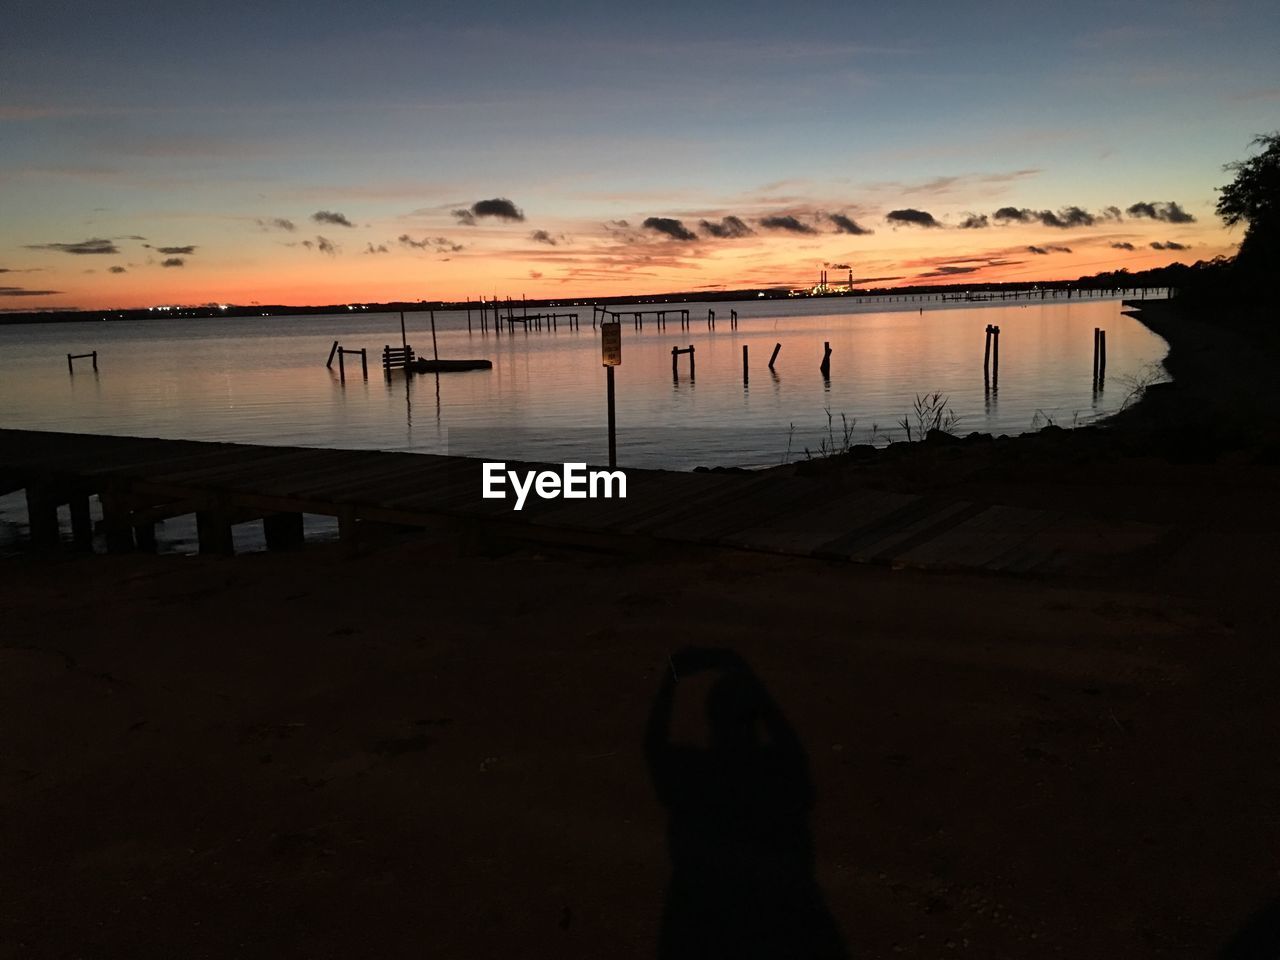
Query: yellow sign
x=611, y=344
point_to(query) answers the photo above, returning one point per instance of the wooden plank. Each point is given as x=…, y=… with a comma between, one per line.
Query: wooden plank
x=819, y=523
x=943, y=517
x=996, y=532
x=768, y=496
x=872, y=531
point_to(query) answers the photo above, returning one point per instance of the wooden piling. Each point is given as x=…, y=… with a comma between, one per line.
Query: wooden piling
x=744, y=364
x=81, y=521
x=825, y=366
x=116, y=526
x=1096, y=339
x=675, y=361
x=776, y=348
x=213, y=531
x=332, y=350
x=435, y=350
x=283, y=531
x=42, y=516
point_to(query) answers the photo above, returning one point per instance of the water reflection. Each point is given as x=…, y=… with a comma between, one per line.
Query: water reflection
x=263, y=380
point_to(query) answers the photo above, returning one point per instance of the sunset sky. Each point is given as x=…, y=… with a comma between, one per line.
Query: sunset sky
x=310, y=153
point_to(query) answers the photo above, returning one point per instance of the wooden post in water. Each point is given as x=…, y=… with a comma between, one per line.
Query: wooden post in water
x=332, y=351
x=468, y=316
x=1102, y=354
x=404, y=340
x=986, y=354
x=675, y=361
x=744, y=364
x=342, y=367
x=733, y=319
x=434, y=349
x=1096, y=340
x=711, y=319
x=995, y=353
x=776, y=348
x=826, y=360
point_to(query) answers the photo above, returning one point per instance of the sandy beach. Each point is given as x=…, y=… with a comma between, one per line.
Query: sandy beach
x=432, y=752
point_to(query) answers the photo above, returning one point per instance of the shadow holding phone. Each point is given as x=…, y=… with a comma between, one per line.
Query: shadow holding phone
x=742, y=865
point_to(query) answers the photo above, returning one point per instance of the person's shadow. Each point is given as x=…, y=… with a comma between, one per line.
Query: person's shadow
x=742, y=862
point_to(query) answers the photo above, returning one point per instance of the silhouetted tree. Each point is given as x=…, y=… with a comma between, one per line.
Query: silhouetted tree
x=1253, y=198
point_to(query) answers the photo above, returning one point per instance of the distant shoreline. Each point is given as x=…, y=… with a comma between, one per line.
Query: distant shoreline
x=980, y=294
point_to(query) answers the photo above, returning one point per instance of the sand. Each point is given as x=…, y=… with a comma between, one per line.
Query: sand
x=422, y=752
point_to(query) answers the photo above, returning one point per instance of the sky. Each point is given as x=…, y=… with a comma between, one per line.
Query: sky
x=310, y=153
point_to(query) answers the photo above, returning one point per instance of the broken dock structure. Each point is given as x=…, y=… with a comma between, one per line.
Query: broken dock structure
x=141, y=482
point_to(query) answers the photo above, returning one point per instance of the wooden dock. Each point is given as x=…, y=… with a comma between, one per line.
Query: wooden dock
x=143, y=481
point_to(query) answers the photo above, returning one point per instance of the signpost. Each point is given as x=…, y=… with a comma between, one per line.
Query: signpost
x=611, y=356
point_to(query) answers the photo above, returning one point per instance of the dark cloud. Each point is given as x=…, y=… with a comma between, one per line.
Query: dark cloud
x=974, y=221
x=438, y=244
x=1168, y=212
x=729, y=227
x=844, y=224
x=1013, y=214
x=672, y=228
x=541, y=236
x=621, y=224
x=95, y=245
x=173, y=262
x=911, y=217
x=1110, y=213
x=838, y=266
x=131, y=236
x=175, y=251
x=277, y=223
x=1120, y=245
x=330, y=216
x=116, y=269
x=1045, y=251
x=1168, y=245
x=787, y=223
x=21, y=292
x=949, y=271
x=1067, y=217
x=323, y=244
x=499, y=208
x=380, y=248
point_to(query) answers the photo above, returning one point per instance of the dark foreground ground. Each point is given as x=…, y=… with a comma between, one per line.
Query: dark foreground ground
x=417, y=753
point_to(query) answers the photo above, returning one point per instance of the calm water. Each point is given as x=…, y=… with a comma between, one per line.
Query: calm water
x=263, y=380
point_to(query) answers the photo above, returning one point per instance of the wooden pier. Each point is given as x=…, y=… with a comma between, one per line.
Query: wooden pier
x=143, y=481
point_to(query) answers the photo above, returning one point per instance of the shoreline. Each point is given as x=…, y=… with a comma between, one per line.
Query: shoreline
x=440, y=746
